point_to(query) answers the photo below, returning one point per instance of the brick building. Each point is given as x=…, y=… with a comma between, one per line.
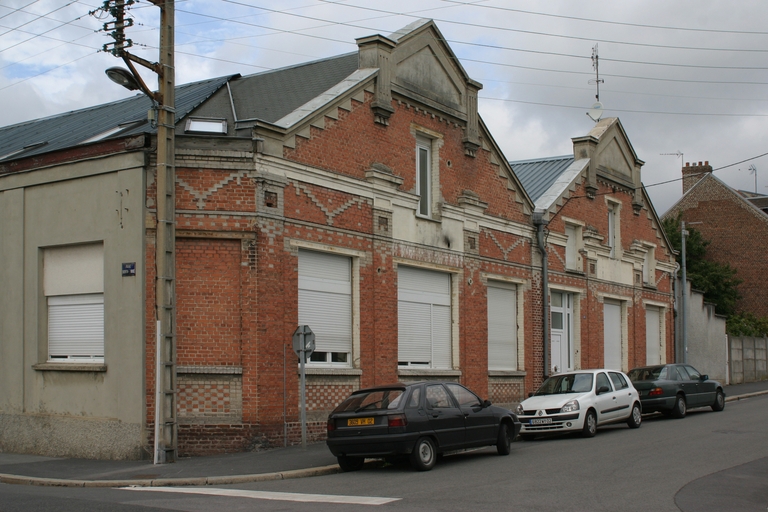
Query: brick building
x=361, y=195
x=735, y=223
x=609, y=263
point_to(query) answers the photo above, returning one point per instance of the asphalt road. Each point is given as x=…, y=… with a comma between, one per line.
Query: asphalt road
x=705, y=462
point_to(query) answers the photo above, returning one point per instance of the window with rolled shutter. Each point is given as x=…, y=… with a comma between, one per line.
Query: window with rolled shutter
x=76, y=327
x=424, y=318
x=325, y=305
x=73, y=283
x=502, y=327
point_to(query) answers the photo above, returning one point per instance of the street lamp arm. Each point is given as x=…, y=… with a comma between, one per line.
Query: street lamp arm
x=127, y=58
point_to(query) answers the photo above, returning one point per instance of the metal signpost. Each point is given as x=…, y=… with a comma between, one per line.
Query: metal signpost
x=303, y=345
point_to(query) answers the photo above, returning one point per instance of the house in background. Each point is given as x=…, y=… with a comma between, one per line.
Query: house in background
x=736, y=225
x=610, y=266
x=361, y=195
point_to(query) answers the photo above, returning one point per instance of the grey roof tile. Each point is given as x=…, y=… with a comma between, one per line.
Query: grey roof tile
x=72, y=128
x=268, y=96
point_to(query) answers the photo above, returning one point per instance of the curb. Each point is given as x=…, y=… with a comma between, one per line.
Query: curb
x=171, y=482
x=745, y=395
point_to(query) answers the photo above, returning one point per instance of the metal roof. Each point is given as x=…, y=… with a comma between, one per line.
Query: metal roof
x=538, y=175
x=272, y=95
x=73, y=128
x=268, y=96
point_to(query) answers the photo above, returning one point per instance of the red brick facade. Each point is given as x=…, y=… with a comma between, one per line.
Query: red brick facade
x=737, y=231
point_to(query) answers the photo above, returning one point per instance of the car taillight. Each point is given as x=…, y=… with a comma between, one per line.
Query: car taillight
x=331, y=425
x=655, y=392
x=397, y=420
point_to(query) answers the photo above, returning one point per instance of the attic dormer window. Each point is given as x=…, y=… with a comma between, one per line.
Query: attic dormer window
x=198, y=125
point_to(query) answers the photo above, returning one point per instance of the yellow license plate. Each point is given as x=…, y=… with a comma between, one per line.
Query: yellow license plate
x=356, y=422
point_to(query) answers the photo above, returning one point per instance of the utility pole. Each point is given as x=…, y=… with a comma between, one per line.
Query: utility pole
x=166, y=427
x=684, y=314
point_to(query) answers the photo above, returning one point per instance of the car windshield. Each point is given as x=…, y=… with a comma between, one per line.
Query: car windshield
x=570, y=383
x=655, y=373
x=379, y=399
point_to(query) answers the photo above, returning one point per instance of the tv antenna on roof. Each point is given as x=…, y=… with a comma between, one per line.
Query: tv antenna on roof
x=596, y=112
x=676, y=153
x=753, y=170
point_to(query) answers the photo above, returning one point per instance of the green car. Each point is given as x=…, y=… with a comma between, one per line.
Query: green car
x=672, y=389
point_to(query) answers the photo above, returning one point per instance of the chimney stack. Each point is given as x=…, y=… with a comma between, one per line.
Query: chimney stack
x=693, y=173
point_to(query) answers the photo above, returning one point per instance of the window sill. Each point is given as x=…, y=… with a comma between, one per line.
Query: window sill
x=427, y=372
x=506, y=373
x=574, y=271
x=210, y=370
x=70, y=367
x=332, y=371
x=428, y=218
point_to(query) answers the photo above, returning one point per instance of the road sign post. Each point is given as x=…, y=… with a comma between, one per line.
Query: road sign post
x=303, y=345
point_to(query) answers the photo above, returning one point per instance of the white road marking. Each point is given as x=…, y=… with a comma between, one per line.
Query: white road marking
x=267, y=495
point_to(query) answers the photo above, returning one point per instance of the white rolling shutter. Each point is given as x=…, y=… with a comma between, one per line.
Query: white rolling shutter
x=612, y=335
x=502, y=328
x=424, y=318
x=325, y=299
x=76, y=327
x=652, y=336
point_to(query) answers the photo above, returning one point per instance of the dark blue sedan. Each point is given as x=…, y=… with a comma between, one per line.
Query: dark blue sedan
x=419, y=420
x=674, y=388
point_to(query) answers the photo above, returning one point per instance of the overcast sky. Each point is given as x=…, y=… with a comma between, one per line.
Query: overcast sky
x=688, y=79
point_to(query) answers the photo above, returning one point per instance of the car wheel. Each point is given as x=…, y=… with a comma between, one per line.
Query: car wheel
x=636, y=418
x=503, y=442
x=590, y=425
x=719, y=404
x=527, y=437
x=424, y=455
x=680, y=408
x=350, y=463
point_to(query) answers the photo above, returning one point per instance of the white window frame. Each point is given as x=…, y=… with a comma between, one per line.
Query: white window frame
x=336, y=291
x=649, y=266
x=424, y=176
x=573, y=245
x=433, y=306
x=76, y=328
x=206, y=125
x=502, y=327
x=73, y=285
x=614, y=227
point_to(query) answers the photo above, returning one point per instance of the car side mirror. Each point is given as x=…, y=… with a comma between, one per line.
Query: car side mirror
x=603, y=389
x=486, y=403
x=530, y=395
x=704, y=377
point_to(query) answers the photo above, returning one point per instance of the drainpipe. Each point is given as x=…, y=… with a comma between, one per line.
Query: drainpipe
x=541, y=223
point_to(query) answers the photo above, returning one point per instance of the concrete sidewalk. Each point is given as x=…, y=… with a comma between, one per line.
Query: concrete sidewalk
x=273, y=464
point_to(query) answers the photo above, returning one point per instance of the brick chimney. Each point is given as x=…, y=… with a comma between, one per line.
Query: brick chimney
x=693, y=173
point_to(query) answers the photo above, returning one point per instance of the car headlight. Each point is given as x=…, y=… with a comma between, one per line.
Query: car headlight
x=571, y=406
x=519, y=410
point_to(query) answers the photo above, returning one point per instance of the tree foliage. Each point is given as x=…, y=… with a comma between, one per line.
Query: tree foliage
x=717, y=281
x=747, y=324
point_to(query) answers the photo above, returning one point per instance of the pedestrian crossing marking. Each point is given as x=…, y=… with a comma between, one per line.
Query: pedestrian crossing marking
x=269, y=495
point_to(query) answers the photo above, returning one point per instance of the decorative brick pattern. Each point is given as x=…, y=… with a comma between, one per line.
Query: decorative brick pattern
x=506, y=391
x=202, y=398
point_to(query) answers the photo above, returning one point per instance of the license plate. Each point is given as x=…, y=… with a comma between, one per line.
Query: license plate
x=540, y=421
x=357, y=422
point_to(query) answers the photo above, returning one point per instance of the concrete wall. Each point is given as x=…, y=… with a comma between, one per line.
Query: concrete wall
x=62, y=409
x=707, y=342
x=747, y=362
